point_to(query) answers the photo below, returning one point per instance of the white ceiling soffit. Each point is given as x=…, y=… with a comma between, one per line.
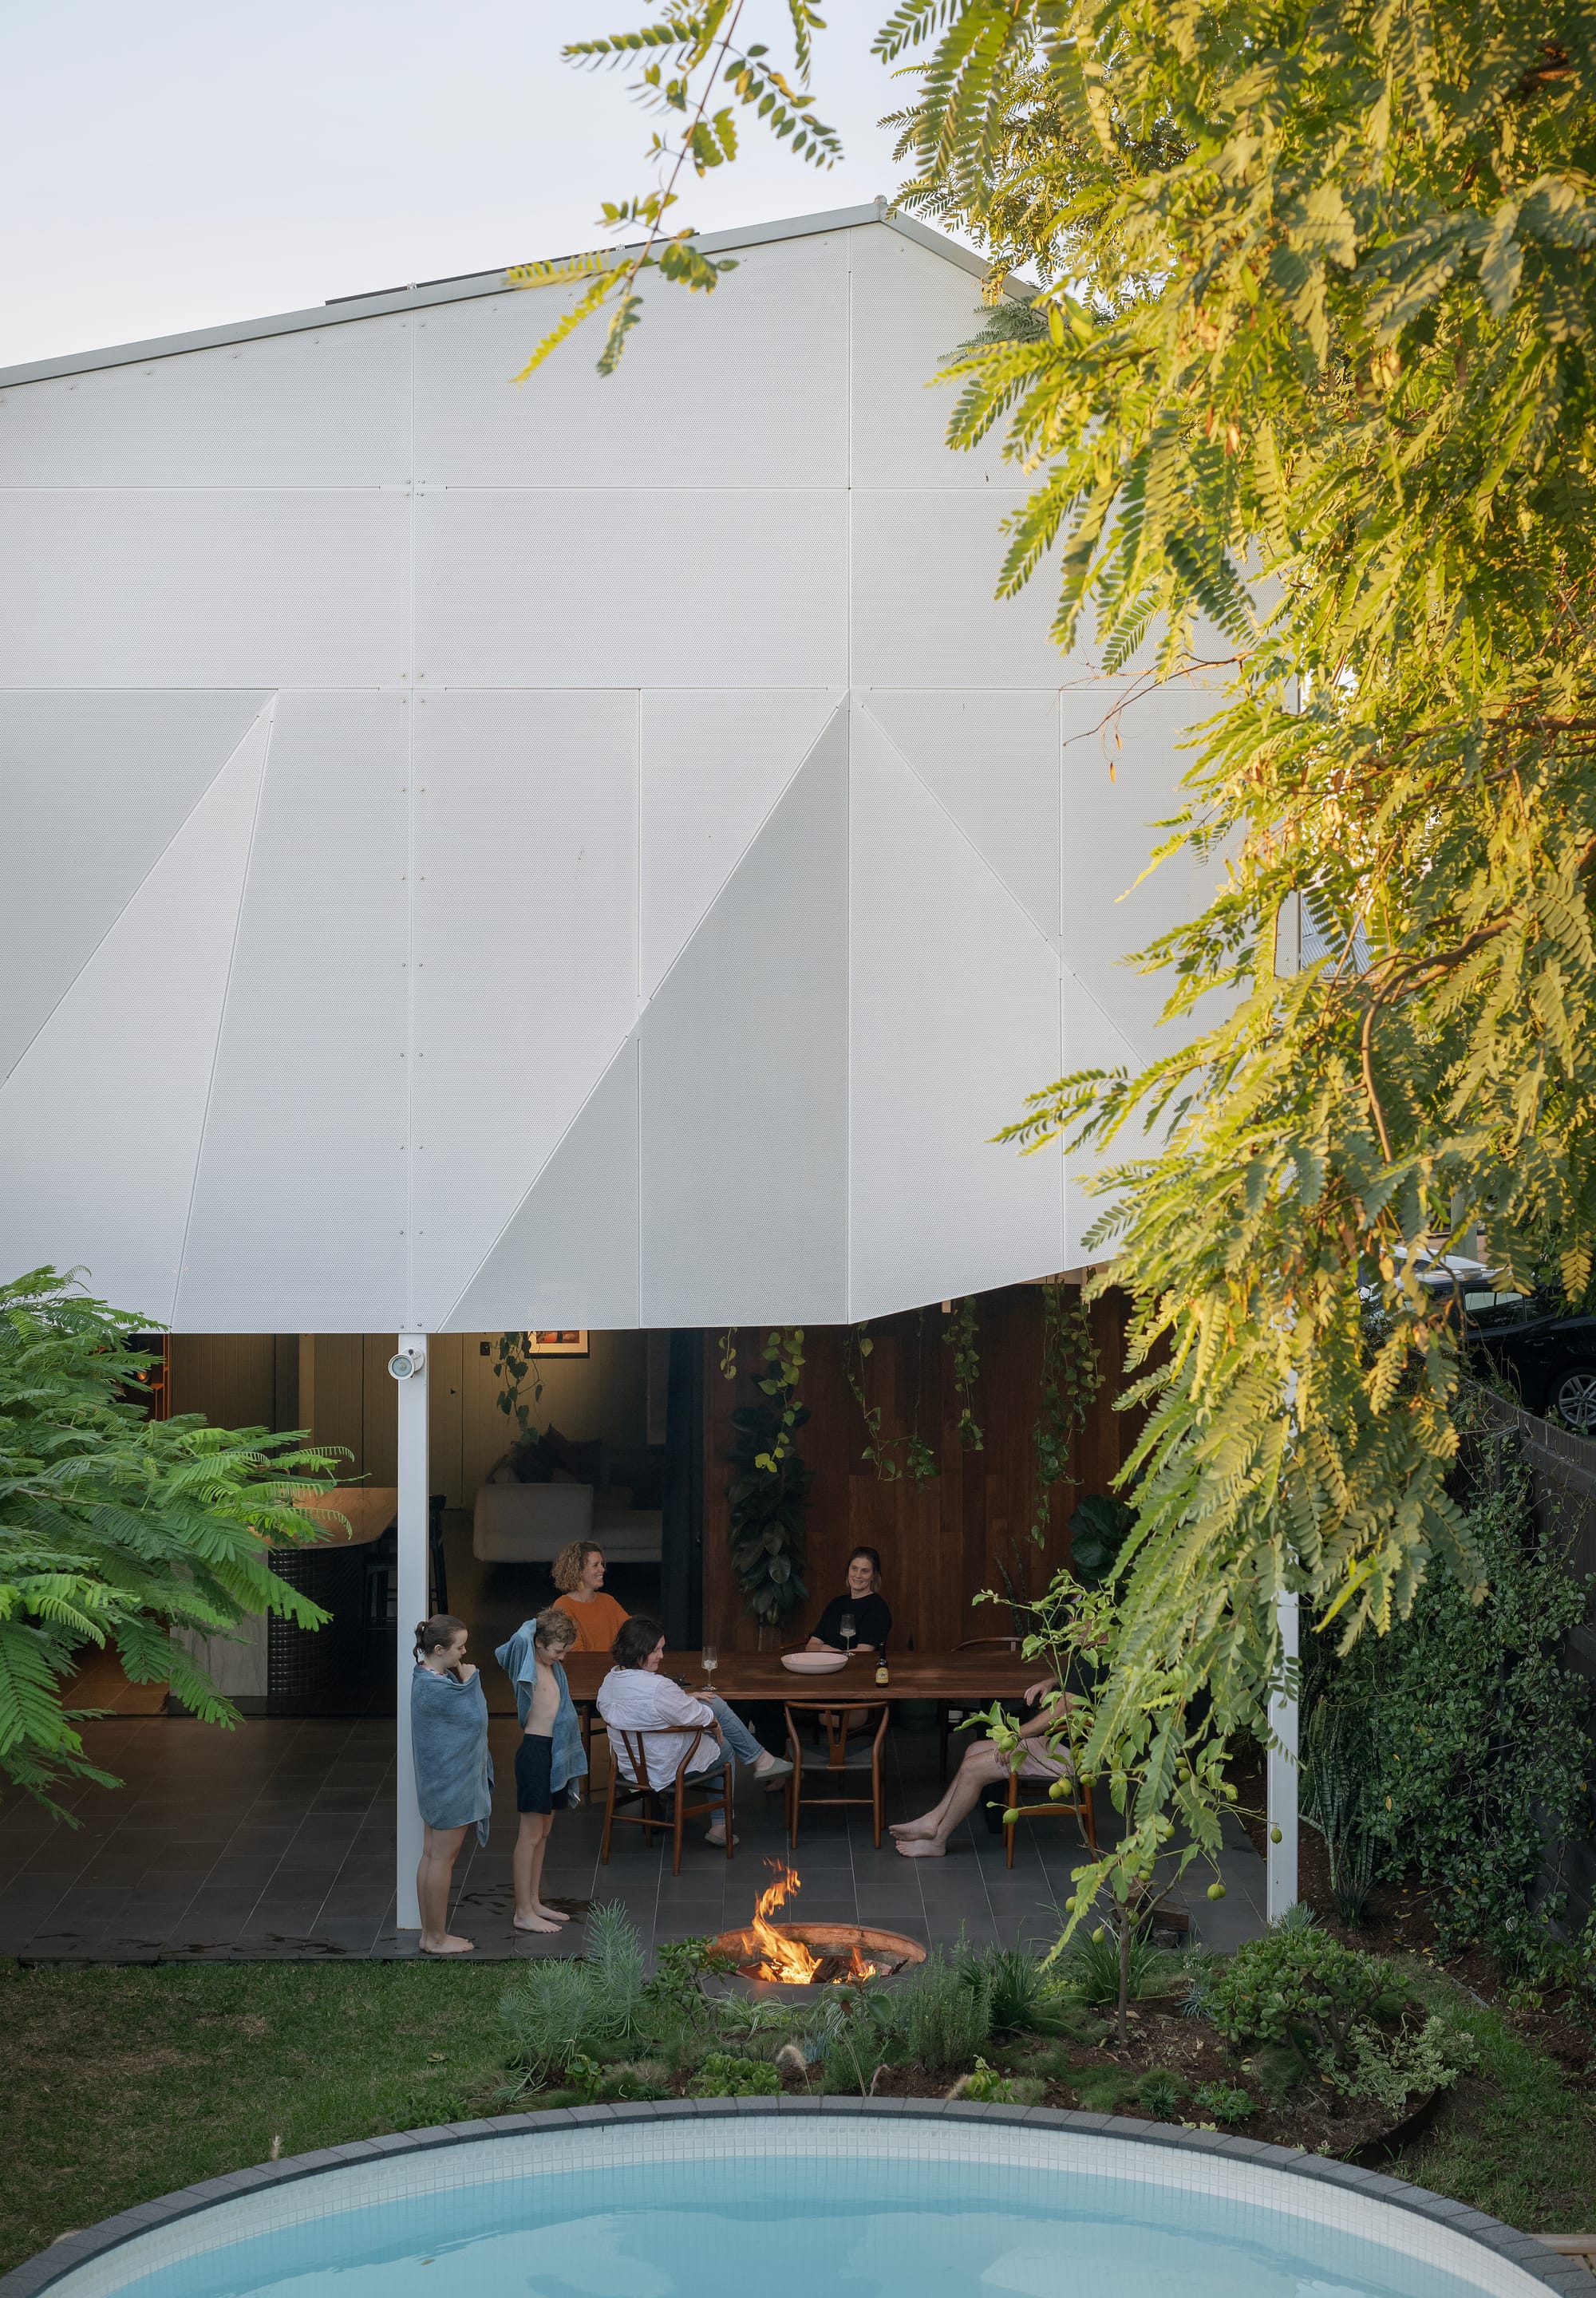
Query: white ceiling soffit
x=954, y=1020
x=300, y=1195
x=106, y=1179
x=93, y=789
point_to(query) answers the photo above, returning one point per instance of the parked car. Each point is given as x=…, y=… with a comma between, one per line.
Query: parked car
x=1540, y=1349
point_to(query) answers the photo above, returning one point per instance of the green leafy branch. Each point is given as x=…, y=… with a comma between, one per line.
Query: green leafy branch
x=689, y=52
x=118, y=1530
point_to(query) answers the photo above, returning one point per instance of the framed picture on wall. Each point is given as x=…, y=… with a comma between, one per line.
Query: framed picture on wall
x=559, y=1345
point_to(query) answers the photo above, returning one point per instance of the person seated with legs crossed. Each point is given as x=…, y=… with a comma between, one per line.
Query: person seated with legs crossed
x=635, y=1696
x=986, y=1765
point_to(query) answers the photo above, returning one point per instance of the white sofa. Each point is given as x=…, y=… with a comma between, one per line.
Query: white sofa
x=530, y=1524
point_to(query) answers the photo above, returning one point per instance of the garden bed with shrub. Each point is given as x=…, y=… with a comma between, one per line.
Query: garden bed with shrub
x=1297, y=2038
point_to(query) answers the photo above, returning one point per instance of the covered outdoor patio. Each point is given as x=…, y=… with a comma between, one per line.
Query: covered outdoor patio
x=277, y=1840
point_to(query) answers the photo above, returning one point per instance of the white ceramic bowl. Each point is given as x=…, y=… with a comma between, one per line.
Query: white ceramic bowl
x=815, y=1663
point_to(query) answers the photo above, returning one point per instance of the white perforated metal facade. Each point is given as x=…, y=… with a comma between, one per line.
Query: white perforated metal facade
x=477, y=856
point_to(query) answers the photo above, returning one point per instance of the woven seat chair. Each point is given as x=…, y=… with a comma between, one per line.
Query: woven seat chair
x=833, y=1721
x=631, y=1748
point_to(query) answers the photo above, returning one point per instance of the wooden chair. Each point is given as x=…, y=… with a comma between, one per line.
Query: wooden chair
x=631, y=1748
x=948, y=1708
x=833, y=1721
x=1081, y=1809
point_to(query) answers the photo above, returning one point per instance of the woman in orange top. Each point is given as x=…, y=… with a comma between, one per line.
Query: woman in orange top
x=579, y=1575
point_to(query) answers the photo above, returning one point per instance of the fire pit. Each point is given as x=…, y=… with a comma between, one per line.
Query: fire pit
x=784, y=1960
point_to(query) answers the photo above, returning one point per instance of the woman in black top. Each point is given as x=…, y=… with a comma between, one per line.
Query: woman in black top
x=872, y=1622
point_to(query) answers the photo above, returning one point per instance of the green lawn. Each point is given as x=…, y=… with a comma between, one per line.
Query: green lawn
x=1518, y=2140
x=125, y=2083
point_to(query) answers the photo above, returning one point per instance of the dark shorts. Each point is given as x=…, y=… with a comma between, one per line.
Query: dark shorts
x=534, y=1760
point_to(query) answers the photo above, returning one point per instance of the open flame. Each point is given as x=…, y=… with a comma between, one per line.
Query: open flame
x=788, y=1960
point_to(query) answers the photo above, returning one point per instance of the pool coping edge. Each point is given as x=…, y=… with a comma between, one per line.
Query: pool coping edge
x=68, y=2252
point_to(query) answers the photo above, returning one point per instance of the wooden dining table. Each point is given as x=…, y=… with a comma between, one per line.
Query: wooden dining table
x=965, y=1679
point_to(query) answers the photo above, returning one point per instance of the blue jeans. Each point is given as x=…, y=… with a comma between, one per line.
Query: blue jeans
x=739, y=1739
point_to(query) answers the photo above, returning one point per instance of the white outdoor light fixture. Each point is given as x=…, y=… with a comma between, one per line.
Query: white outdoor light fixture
x=406, y=1362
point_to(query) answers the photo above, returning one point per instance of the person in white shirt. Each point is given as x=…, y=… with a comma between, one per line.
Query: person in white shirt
x=634, y=1697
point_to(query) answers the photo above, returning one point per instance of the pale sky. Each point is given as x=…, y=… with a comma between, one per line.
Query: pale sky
x=177, y=165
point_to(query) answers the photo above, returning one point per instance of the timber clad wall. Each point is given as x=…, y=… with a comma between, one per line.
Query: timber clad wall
x=940, y=1541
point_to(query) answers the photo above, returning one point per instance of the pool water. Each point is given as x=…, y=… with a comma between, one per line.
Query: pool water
x=767, y=2210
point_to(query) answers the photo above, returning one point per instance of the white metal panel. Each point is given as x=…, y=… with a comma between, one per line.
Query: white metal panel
x=93, y=786
x=569, y=1256
x=744, y=1080
x=299, y=1211
x=326, y=409
x=714, y=761
x=768, y=349
x=101, y=1120
x=910, y=309
x=992, y=761
x=954, y=1019
x=1108, y=838
x=202, y=587
x=525, y=947
x=925, y=568
x=623, y=586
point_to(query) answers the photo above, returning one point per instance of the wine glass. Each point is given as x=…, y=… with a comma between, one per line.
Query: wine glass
x=712, y=1660
x=848, y=1631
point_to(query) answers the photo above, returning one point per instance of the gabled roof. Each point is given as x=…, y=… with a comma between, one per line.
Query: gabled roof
x=472, y=283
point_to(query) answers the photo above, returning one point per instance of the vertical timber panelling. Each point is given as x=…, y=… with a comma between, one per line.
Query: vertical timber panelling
x=379, y=1408
x=340, y=1398
x=228, y=1376
x=445, y=1416
x=944, y=1541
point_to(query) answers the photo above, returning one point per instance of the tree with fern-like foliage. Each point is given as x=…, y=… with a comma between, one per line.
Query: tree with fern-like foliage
x=117, y=1529
x=1305, y=406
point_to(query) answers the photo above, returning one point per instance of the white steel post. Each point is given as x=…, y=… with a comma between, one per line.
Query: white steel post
x=1283, y=1776
x=408, y=1366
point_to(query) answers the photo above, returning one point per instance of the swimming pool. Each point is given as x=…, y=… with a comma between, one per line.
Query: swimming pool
x=757, y=2203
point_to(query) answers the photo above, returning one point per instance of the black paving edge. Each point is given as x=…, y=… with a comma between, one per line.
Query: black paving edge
x=74, y=2249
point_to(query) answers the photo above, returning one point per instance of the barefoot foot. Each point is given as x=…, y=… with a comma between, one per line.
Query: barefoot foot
x=549, y=1914
x=449, y=1945
x=533, y=1924
x=921, y=1846
x=912, y=1827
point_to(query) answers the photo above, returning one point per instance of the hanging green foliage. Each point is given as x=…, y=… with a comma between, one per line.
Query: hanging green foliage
x=918, y=1461
x=784, y=1361
x=516, y=1368
x=963, y=1336
x=1071, y=1376
x=767, y=1497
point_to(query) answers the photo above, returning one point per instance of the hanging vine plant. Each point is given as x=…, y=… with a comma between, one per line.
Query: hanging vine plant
x=767, y=1529
x=919, y=1460
x=515, y=1367
x=963, y=1336
x=1072, y=1375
